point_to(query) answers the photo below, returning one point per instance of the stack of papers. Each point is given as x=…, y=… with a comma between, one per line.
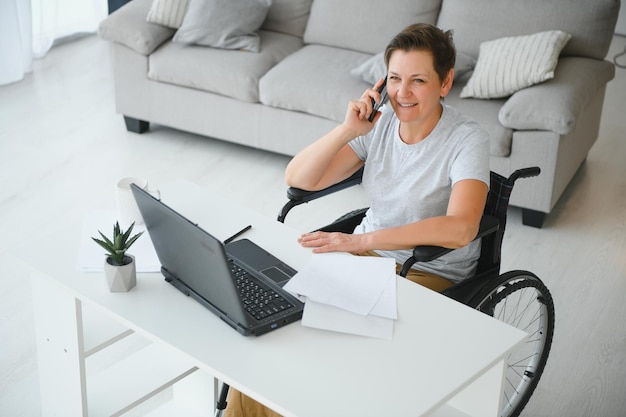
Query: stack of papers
x=347, y=293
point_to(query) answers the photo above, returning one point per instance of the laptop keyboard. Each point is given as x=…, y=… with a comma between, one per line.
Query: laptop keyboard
x=258, y=299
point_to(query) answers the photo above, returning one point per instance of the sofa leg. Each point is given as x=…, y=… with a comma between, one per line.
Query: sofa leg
x=136, y=125
x=533, y=218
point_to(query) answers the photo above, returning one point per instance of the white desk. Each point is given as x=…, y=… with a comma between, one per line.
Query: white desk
x=444, y=360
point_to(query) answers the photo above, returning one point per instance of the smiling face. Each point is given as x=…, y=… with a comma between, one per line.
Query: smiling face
x=415, y=90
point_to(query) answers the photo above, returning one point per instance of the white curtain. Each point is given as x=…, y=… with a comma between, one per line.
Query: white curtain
x=15, y=40
x=28, y=28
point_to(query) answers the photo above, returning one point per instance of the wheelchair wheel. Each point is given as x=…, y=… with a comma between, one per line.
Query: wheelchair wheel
x=520, y=299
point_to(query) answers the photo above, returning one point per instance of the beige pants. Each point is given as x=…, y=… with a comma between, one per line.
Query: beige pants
x=240, y=405
x=428, y=280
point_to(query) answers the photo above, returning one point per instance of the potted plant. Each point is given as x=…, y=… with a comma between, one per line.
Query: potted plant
x=119, y=267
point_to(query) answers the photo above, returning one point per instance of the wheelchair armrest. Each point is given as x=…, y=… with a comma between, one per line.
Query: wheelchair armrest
x=303, y=196
x=488, y=225
x=298, y=196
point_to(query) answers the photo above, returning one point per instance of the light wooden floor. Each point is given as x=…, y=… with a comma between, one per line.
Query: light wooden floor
x=62, y=147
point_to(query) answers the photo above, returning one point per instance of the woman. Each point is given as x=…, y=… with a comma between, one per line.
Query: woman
x=426, y=169
x=426, y=165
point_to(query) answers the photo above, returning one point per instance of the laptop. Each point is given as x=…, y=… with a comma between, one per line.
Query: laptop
x=240, y=282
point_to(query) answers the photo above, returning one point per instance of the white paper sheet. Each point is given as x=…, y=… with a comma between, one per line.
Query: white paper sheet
x=91, y=256
x=386, y=306
x=353, y=283
x=325, y=317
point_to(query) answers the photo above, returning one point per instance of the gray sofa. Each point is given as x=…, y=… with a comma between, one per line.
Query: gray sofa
x=297, y=86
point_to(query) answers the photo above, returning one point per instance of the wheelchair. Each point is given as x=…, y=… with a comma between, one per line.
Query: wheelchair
x=518, y=298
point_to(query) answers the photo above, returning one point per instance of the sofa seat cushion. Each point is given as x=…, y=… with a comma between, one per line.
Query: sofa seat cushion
x=365, y=26
x=316, y=80
x=485, y=113
x=556, y=104
x=229, y=73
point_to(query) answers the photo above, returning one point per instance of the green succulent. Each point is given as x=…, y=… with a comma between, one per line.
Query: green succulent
x=117, y=247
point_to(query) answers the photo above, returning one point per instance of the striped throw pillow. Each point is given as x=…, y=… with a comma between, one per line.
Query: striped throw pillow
x=509, y=64
x=168, y=13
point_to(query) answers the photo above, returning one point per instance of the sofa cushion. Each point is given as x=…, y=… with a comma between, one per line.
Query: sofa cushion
x=485, y=113
x=367, y=28
x=509, y=64
x=591, y=23
x=288, y=16
x=168, y=13
x=373, y=69
x=230, y=73
x=223, y=23
x=129, y=27
x=556, y=104
x=316, y=80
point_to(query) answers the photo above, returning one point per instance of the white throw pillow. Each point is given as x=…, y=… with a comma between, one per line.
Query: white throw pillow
x=509, y=64
x=225, y=24
x=374, y=68
x=168, y=13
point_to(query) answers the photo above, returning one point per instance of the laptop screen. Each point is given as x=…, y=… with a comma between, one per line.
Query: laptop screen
x=191, y=255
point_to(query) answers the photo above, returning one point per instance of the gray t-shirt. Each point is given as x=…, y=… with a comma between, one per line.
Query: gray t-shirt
x=407, y=183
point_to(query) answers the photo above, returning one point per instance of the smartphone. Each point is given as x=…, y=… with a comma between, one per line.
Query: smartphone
x=382, y=90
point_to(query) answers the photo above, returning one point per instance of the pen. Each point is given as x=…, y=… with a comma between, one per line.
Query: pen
x=239, y=233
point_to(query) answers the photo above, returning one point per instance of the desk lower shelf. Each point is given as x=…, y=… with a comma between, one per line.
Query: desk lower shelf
x=113, y=370
x=134, y=380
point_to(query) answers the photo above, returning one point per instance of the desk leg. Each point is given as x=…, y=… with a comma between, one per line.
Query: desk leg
x=482, y=397
x=60, y=349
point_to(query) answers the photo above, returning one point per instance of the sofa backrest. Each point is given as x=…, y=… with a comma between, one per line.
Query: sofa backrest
x=590, y=22
x=365, y=26
x=288, y=16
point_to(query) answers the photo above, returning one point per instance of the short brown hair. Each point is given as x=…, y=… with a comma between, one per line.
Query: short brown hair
x=426, y=37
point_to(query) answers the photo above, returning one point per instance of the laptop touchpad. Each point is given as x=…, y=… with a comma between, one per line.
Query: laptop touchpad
x=276, y=275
